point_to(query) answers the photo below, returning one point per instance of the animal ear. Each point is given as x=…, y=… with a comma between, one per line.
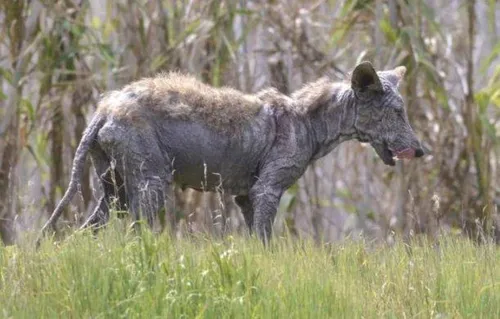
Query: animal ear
x=395, y=76
x=365, y=78
x=400, y=71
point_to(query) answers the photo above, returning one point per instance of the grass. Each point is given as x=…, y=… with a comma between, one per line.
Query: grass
x=152, y=276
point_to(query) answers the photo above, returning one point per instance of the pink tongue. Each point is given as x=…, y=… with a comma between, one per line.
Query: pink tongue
x=407, y=153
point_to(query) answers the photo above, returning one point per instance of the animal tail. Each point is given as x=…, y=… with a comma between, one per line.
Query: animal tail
x=88, y=138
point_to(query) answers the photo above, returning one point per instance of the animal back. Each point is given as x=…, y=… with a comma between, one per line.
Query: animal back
x=178, y=96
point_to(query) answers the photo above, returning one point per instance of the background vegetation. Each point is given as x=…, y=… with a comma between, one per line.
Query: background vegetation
x=56, y=57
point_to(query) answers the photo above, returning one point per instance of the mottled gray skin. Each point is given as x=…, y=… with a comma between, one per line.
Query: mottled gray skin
x=138, y=161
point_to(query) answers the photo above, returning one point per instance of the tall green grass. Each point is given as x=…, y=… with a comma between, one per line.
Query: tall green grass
x=117, y=274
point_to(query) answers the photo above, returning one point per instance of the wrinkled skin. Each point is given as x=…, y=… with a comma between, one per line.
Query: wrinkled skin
x=137, y=161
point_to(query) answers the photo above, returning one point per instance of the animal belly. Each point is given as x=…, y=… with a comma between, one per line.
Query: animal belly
x=208, y=160
x=235, y=181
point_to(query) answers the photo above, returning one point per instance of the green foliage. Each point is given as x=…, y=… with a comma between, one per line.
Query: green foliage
x=153, y=276
x=389, y=32
x=7, y=75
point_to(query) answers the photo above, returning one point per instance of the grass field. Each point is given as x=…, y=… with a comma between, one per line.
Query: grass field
x=118, y=275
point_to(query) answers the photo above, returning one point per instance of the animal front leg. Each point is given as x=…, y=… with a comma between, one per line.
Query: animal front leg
x=265, y=201
x=274, y=178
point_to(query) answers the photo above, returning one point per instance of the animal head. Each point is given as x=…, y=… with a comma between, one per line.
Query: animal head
x=381, y=118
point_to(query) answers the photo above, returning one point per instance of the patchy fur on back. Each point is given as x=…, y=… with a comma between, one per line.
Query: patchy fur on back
x=176, y=95
x=181, y=96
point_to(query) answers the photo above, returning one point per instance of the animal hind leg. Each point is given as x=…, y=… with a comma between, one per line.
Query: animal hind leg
x=147, y=196
x=243, y=201
x=114, y=195
x=147, y=178
x=148, y=200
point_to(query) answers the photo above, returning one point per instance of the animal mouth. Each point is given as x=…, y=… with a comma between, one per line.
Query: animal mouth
x=407, y=153
x=390, y=156
x=384, y=153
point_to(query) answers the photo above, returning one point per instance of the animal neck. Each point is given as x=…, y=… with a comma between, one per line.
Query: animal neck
x=333, y=122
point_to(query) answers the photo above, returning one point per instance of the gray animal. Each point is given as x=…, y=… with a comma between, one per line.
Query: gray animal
x=173, y=128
